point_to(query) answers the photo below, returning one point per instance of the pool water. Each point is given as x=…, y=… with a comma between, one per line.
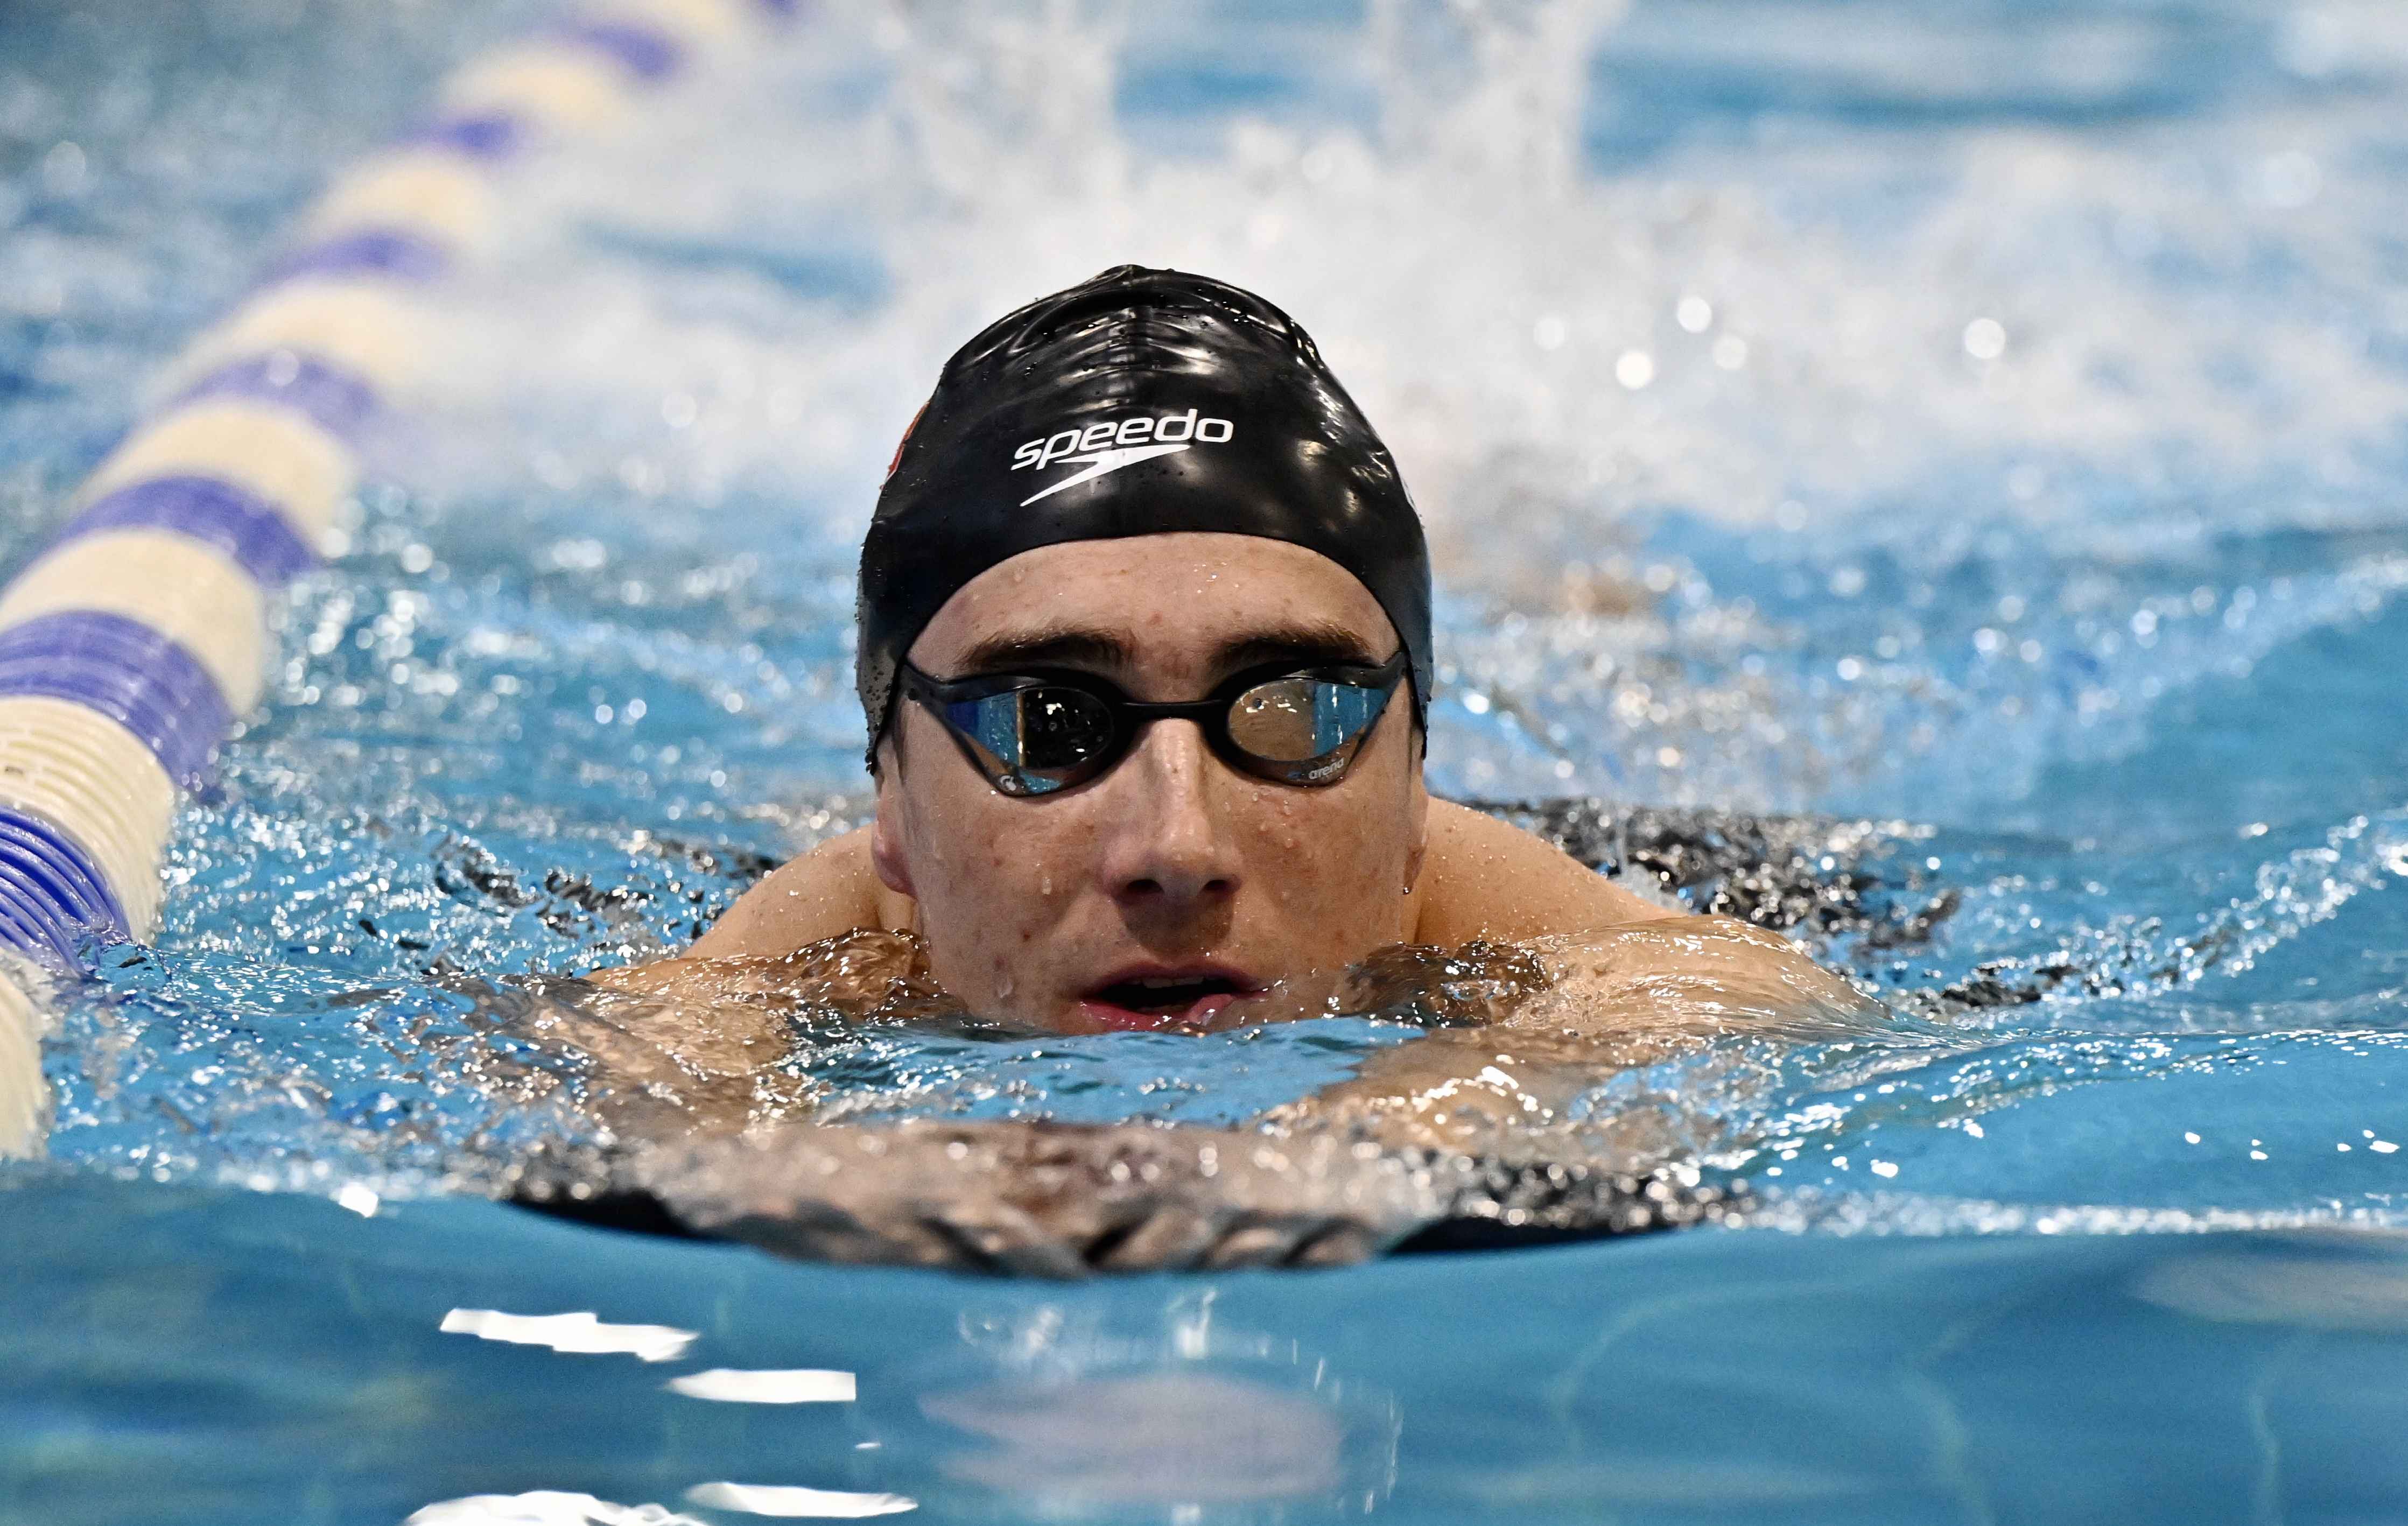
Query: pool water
x=1928, y=473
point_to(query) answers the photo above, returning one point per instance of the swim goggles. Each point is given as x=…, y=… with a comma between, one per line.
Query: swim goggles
x=1034, y=733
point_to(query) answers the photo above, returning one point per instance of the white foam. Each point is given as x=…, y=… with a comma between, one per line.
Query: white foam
x=1921, y=339
x=1507, y=314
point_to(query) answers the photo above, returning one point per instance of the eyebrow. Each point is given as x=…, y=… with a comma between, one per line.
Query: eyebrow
x=1055, y=645
x=1306, y=642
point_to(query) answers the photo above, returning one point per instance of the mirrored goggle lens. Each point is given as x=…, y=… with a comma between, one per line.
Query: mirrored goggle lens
x=1037, y=740
x=1302, y=720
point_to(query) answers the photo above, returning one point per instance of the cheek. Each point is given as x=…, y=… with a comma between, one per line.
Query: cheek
x=996, y=876
x=1333, y=860
x=1281, y=820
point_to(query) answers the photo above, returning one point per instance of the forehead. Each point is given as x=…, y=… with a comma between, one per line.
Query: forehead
x=1175, y=595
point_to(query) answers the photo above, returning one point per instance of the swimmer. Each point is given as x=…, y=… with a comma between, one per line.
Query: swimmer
x=1145, y=658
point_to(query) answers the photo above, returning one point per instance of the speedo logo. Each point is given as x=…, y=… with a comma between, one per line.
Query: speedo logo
x=1107, y=447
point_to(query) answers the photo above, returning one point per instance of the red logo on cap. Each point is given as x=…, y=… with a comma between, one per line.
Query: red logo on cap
x=907, y=436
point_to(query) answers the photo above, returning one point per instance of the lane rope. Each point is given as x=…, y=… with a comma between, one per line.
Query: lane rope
x=133, y=644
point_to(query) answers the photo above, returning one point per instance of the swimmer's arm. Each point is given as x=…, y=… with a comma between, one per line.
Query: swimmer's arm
x=1630, y=995
x=707, y=1025
x=1627, y=982
x=1616, y=963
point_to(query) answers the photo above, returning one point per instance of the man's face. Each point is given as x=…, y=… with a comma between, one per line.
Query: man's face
x=1174, y=890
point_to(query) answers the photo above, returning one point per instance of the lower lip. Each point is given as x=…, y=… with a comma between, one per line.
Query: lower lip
x=1197, y=1014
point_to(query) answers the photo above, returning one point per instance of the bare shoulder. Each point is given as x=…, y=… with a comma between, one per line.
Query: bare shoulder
x=1484, y=879
x=832, y=888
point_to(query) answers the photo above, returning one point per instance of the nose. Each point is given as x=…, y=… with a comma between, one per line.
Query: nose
x=1167, y=846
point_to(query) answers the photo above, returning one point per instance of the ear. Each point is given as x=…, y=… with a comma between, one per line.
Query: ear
x=1419, y=850
x=890, y=849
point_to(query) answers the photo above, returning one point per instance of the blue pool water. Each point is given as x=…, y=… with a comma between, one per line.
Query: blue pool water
x=1958, y=443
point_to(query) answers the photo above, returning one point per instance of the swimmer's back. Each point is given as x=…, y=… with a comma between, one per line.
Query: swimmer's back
x=1483, y=879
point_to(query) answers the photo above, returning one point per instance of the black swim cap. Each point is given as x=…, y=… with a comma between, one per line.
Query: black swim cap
x=1140, y=403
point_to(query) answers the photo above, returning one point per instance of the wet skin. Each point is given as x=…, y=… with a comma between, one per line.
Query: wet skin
x=1175, y=891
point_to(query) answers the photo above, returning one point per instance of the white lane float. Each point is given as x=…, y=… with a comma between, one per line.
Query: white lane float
x=130, y=647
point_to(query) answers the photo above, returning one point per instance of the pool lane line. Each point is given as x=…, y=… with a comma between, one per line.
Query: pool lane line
x=131, y=646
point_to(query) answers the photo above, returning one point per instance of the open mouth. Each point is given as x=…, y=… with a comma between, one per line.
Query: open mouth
x=1181, y=998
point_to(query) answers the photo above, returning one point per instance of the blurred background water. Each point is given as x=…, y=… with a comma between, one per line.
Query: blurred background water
x=1967, y=435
